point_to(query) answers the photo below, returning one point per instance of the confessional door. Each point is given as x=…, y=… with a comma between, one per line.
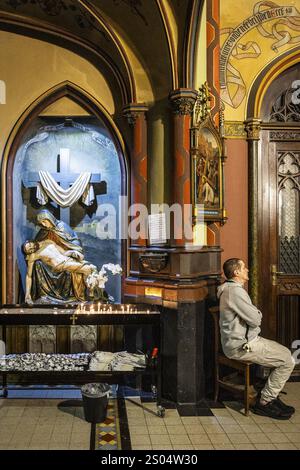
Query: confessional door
x=279, y=233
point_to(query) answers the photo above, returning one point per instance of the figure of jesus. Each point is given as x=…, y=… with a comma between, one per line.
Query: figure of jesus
x=54, y=256
x=208, y=195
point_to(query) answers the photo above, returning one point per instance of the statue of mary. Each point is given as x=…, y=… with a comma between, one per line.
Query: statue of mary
x=49, y=286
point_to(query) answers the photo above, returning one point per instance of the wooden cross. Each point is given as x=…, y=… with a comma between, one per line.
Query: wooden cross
x=64, y=177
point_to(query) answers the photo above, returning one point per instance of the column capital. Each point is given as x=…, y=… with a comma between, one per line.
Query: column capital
x=252, y=127
x=183, y=100
x=133, y=110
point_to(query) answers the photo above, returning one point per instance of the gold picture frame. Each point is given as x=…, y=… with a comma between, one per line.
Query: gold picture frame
x=207, y=167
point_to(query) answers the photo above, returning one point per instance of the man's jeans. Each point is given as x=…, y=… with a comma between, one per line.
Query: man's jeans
x=270, y=354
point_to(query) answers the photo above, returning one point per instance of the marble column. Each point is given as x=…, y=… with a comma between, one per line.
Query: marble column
x=136, y=116
x=253, y=127
x=182, y=100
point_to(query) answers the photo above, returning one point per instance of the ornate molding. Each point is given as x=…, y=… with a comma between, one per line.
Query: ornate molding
x=284, y=135
x=253, y=127
x=183, y=106
x=183, y=101
x=202, y=104
x=289, y=286
x=153, y=262
x=133, y=111
x=131, y=118
x=235, y=129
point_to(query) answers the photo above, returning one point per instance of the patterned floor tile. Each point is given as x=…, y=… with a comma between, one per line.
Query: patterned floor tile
x=45, y=424
x=107, y=433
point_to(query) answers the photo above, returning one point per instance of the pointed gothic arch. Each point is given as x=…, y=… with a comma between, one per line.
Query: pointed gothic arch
x=93, y=107
x=264, y=80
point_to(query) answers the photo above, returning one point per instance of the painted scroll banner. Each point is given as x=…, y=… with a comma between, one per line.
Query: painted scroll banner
x=286, y=15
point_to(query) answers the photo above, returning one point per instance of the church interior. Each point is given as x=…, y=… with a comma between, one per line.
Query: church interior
x=144, y=143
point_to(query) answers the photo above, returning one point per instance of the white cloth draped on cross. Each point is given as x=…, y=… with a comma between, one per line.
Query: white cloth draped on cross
x=81, y=188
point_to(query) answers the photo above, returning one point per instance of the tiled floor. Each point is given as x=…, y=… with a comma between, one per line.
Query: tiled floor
x=42, y=424
x=227, y=429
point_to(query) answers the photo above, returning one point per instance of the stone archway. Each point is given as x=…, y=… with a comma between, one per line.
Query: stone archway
x=274, y=179
x=82, y=98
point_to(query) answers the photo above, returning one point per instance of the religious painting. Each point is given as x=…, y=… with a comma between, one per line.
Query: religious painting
x=207, y=171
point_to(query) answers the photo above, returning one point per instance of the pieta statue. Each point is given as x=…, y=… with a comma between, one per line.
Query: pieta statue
x=56, y=269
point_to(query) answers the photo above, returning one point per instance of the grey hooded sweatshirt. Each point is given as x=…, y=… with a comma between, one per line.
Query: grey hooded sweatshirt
x=239, y=319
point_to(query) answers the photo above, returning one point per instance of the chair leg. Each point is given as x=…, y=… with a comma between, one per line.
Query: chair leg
x=217, y=387
x=247, y=390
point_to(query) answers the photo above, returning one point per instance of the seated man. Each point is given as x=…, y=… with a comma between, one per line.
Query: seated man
x=240, y=327
x=56, y=258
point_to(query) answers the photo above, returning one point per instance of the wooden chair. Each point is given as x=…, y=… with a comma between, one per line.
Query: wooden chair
x=221, y=359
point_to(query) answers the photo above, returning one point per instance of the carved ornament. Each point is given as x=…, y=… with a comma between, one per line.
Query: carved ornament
x=284, y=135
x=183, y=101
x=153, y=262
x=253, y=127
x=235, y=129
x=202, y=105
x=288, y=286
x=133, y=111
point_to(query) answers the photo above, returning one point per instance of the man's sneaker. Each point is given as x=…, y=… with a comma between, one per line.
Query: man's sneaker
x=284, y=407
x=271, y=410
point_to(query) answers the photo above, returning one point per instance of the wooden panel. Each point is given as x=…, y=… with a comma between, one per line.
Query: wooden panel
x=279, y=297
x=267, y=233
x=288, y=319
x=17, y=339
x=109, y=338
x=62, y=339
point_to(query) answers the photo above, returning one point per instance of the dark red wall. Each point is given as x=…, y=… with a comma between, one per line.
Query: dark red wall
x=234, y=234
